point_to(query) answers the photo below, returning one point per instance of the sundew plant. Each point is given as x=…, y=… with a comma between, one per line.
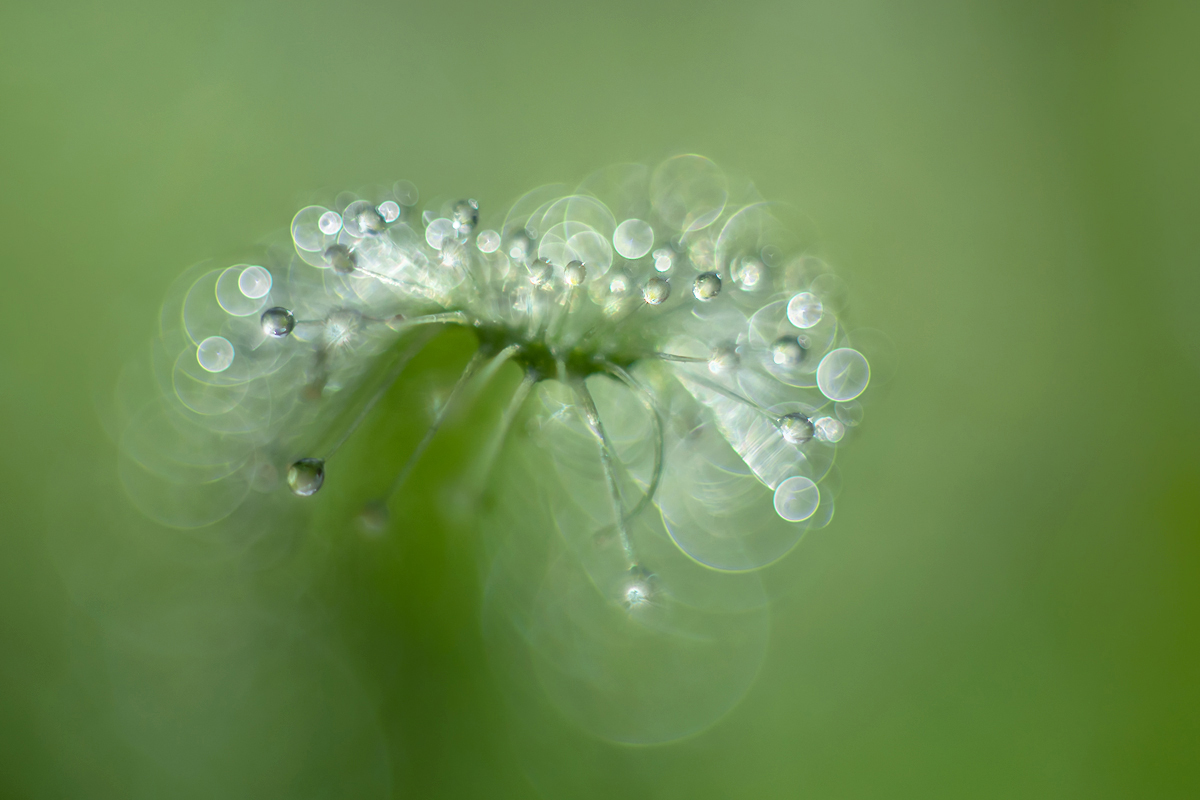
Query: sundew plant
x=685, y=378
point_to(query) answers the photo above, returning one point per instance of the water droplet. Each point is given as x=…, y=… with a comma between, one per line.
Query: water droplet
x=796, y=499
x=487, y=241
x=306, y=476
x=843, y=374
x=749, y=274
x=465, y=217
x=540, y=272
x=706, y=286
x=362, y=219
x=664, y=259
x=341, y=258
x=254, y=282
x=787, y=351
x=796, y=428
x=215, y=354
x=277, y=322
x=633, y=238
x=656, y=291
x=828, y=429
x=575, y=273
x=437, y=231
x=804, y=310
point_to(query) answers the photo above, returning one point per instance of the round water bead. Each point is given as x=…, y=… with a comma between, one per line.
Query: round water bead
x=575, y=273
x=633, y=238
x=465, y=216
x=330, y=223
x=796, y=428
x=749, y=274
x=828, y=429
x=306, y=476
x=254, y=282
x=389, y=210
x=215, y=354
x=362, y=219
x=341, y=258
x=796, y=499
x=277, y=322
x=706, y=286
x=540, y=272
x=843, y=374
x=308, y=228
x=804, y=310
x=656, y=291
x=786, y=351
x=487, y=241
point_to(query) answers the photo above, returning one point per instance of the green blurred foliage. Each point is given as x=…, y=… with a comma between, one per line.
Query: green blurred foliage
x=1006, y=604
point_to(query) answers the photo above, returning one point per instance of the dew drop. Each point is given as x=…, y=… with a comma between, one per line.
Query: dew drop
x=362, y=219
x=656, y=291
x=540, y=272
x=306, y=476
x=341, y=258
x=215, y=354
x=575, y=273
x=796, y=428
x=796, y=499
x=277, y=322
x=706, y=286
x=465, y=217
x=787, y=351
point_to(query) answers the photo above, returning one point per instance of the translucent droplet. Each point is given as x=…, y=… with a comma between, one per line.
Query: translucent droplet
x=487, y=241
x=306, y=476
x=406, y=193
x=465, y=217
x=633, y=238
x=656, y=291
x=330, y=223
x=540, y=272
x=796, y=499
x=575, y=273
x=843, y=374
x=706, y=286
x=341, y=258
x=389, y=210
x=796, y=428
x=362, y=219
x=277, y=322
x=254, y=282
x=519, y=247
x=724, y=359
x=787, y=351
x=437, y=231
x=850, y=413
x=639, y=590
x=804, y=310
x=828, y=429
x=215, y=354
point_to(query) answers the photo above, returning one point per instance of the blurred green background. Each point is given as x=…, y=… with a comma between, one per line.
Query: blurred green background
x=1007, y=604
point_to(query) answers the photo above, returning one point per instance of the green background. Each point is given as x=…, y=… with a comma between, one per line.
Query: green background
x=1007, y=604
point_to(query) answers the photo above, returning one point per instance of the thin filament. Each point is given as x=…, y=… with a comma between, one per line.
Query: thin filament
x=592, y=417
